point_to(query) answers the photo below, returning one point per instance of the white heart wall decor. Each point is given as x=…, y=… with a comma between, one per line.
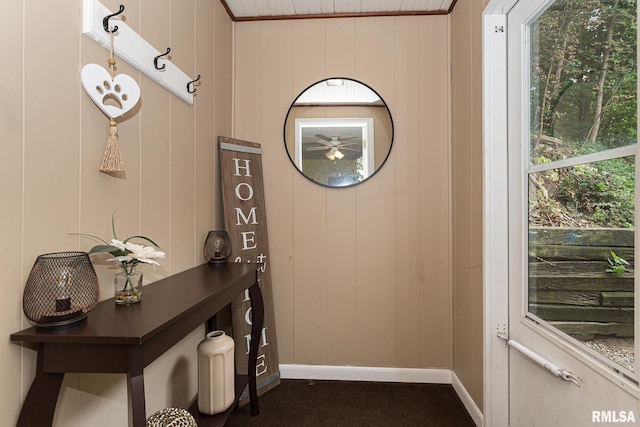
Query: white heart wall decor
x=114, y=97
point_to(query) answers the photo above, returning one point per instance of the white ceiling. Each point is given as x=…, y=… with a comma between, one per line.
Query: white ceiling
x=241, y=10
x=341, y=92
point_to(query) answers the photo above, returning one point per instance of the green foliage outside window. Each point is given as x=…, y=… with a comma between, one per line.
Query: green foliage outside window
x=583, y=100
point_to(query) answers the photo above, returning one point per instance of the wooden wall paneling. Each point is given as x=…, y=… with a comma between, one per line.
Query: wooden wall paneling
x=375, y=54
x=407, y=118
x=462, y=190
x=106, y=395
x=169, y=379
x=13, y=270
x=276, y=97
x=183, y=247
x=476, y=165
x=248, y=65
x=206, y=157
x=310, y=273
x=341, y=219
x=222, y=104
x=309, y=53
x=341, y=50
x=310, y=220
x=435, y=192
x=342, y=278
x=315, y=300
x=475, y=382
x=155, y=139
x=375, y=215
x=376, y=270
x=51, y=144
x=476, y=142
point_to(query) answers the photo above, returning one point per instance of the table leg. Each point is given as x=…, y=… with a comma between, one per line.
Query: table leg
x=136, y=388
x=135, y=382
x=39, y=406
x=257, y=321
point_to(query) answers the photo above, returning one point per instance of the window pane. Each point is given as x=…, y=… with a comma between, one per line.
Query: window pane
x=583, y=78
x=583, y=96
x=581, y=252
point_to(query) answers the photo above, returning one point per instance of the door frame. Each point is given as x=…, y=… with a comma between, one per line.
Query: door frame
x=496, y=213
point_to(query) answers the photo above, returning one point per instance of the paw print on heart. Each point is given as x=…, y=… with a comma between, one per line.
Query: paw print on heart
x=114, y=96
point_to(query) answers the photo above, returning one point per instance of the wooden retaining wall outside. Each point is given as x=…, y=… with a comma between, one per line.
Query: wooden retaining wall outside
x=568, y=283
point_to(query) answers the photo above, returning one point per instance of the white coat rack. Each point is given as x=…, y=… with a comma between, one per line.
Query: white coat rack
x=131, y=47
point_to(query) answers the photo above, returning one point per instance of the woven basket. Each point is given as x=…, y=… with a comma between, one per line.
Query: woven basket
x=171, y=417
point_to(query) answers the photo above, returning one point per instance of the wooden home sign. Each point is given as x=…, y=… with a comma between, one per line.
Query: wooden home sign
x=245, y=221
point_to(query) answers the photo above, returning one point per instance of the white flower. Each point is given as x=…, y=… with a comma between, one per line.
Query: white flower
x=135, y=252
x=125, y=258
x=126, y=253
x=118, y=244
x=145, y=254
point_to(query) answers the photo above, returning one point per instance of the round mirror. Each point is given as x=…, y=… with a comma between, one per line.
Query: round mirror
x=338, y=132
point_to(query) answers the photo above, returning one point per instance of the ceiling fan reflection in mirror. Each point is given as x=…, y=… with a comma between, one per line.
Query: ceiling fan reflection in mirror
x=334, y=145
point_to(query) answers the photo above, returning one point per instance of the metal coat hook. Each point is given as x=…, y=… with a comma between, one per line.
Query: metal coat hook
x=190, y=85
x=155, y=60
x=105, y=20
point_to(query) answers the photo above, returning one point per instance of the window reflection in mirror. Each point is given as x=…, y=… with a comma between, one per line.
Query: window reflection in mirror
x=338, y=132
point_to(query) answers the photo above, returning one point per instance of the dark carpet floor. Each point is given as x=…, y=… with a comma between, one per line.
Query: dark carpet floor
x=346, y=403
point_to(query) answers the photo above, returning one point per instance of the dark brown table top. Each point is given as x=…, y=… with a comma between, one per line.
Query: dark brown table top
x=164, y=303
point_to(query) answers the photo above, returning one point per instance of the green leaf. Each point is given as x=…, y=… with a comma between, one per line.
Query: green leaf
x=104, y=248
x=143, y=238
x=89, y=236
x=113, y=224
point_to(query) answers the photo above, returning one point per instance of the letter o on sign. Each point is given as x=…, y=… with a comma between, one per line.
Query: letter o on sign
x=239, y=191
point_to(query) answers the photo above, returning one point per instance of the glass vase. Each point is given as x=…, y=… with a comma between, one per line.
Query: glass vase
x=127, y=285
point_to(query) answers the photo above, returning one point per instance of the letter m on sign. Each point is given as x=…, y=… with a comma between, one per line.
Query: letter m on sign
x=245, y=221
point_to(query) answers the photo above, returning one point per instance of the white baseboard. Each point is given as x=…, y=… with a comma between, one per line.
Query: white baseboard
x=467, y=401
x=401, y=375
x=363, y=373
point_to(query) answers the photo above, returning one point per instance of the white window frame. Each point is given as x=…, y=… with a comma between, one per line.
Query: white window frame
x=364, y=123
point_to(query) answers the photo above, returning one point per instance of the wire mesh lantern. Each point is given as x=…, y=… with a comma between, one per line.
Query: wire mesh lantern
x=61, y=289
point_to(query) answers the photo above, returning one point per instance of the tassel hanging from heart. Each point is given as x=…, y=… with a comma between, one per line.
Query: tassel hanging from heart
x=111, y=159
